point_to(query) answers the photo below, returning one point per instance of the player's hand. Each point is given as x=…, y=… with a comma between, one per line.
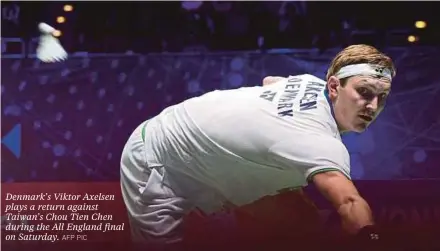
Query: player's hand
x=271, y=80
x=369, y=238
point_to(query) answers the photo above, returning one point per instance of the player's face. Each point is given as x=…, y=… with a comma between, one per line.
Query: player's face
x=359, y=102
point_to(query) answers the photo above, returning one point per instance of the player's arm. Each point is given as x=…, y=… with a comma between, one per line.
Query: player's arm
x=271, y=80
x=354, y=211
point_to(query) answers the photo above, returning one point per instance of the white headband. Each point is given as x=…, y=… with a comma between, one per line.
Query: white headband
x=364, y=69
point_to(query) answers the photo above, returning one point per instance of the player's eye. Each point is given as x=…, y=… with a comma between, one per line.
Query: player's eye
x=365, y=93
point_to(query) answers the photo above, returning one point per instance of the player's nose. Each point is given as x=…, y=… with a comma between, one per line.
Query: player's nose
x=373, y=105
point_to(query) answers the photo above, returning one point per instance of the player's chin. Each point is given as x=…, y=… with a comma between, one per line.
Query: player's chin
x=360, y=127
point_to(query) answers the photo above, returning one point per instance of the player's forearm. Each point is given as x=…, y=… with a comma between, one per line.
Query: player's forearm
x=355, y=214
x=341, y=192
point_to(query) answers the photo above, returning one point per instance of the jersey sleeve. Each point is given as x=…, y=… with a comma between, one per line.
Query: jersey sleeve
x=312, y=154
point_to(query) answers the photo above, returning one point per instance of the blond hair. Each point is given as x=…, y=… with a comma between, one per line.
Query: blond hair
x=360, y=54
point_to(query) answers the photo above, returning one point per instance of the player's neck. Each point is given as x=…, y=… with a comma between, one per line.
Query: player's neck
x=342, y=131
x=340, y=127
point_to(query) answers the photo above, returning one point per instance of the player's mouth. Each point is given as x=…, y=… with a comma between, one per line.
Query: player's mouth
x=366, y=118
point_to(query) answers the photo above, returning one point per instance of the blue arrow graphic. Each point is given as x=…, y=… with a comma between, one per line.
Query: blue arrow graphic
x=12, y=140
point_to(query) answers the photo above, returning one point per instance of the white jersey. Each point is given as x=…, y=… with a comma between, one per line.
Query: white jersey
x=240, y=145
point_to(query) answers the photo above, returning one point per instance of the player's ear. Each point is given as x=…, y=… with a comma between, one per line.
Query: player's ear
x=333, y=84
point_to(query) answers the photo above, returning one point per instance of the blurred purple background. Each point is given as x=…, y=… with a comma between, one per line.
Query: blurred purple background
x=141, y=57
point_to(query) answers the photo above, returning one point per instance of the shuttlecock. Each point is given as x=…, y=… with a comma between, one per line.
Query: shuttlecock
x=49, y=47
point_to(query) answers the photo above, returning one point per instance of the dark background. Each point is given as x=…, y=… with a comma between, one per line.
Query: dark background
x=168, y=26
